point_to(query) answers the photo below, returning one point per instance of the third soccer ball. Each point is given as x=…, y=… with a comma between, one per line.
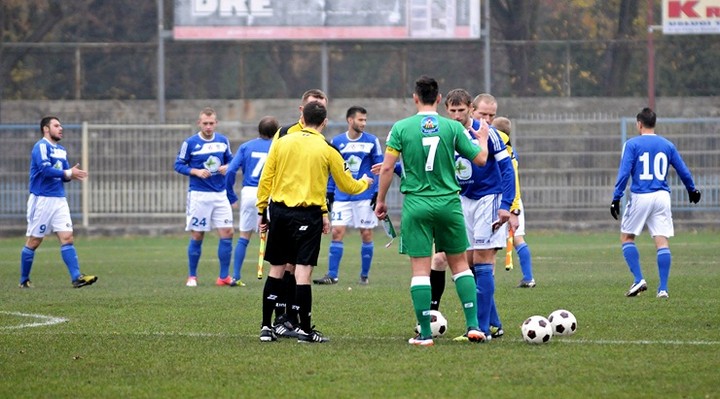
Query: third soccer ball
x=536, y=330
x=562, y=322
x=438, y=324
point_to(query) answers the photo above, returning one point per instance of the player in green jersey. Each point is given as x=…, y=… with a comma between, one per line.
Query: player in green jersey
x=427, y=143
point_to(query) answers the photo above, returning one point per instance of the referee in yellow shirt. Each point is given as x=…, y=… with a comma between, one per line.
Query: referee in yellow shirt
x=285, y=313
x=295, y=177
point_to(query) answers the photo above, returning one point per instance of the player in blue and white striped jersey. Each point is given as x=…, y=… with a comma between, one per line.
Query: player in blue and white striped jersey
x=361, y=151
x=250, y=159
x=646, y=158
x=47, y=207
x=204, y=157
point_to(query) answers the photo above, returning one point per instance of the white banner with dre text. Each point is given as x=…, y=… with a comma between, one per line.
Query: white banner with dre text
x=326, y=19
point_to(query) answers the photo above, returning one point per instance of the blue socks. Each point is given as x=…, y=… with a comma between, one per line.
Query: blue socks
x=334, y=257
x=366, y=255
x=194, y=252
x=523, y=252
x=240, y=251
x=485, y=283
x=335, y=254
x=632, y=258
x=224, y=253
x=664, y=260
x=69, y=256
x=26, y=260
x=494, y=316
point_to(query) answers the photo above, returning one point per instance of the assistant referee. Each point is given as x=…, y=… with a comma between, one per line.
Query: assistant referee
x=295, y=177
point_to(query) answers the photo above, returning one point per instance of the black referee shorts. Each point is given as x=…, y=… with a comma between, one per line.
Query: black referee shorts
x=294, y=235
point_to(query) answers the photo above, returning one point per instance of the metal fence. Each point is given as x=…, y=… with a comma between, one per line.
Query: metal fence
x=567, y=170
x=568, y=167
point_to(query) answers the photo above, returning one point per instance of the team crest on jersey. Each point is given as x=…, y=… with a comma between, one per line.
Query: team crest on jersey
x=429, y=124
x=353, y=163
x=58, y=165
x=212, y=164
x=463, y=169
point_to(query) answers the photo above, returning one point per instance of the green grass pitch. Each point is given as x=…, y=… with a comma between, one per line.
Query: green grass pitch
x=140, y=333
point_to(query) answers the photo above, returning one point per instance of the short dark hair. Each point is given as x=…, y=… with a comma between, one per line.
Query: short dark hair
x=267, y=126
x=317, y=93
x=647, y=117
x=426, y=89
x=46, y=122
x=314, y=114
x=458, y=97
x=355, y=109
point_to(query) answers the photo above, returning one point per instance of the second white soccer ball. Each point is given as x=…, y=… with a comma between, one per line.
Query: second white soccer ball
x=438, y=324
x=536, y=330
x=562, y=322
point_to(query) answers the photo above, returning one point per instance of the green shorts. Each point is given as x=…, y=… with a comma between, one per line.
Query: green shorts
x=432, y=219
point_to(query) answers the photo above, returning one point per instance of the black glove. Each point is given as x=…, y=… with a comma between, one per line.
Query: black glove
x=615, y=208
x=694, y=196
x=329, y=199
x=373, y=201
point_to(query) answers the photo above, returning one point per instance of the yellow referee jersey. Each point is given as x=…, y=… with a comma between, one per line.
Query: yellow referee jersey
x=297, y=169
x=516, y=201
x=292, y=129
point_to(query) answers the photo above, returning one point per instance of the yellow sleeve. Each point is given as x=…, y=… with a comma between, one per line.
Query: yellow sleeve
x=516, y=201
x=343, y=178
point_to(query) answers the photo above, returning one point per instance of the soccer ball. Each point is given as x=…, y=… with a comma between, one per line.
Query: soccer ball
x=438, y=324
x=562, y=322
x=536, y=330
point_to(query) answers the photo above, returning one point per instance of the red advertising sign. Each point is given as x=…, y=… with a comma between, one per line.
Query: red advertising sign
x=691, y=16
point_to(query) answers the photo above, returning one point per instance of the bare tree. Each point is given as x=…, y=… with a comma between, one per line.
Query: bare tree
x=619, y=53
x=13, y=29
x=517, y=20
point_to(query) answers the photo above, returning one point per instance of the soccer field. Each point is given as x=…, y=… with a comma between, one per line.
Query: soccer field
x=140, y=333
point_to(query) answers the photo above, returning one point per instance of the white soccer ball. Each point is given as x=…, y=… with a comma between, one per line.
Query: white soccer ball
x=562, y=322
x=438, y=324
x=536, y=330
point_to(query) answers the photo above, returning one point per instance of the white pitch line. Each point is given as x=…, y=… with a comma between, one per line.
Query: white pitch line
x=564, y=340
x=46, y=320
x=640, y=342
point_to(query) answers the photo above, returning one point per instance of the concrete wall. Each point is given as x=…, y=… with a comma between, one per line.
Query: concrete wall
x=248, y=112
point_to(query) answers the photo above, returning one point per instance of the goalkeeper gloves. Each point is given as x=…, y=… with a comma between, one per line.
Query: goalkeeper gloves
x=615, y=208
x=694, y=196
